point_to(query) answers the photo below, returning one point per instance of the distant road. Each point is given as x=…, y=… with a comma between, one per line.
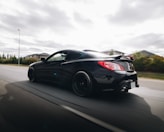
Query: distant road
x=152, y=83
x=26, y=106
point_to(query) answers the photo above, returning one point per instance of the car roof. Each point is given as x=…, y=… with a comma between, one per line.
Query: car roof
x=87, y=53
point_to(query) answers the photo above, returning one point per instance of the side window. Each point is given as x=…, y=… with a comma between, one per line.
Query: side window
x=57, y=57
x=73, y=56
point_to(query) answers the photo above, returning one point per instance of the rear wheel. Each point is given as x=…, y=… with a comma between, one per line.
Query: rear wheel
x=32, y=76
x=82, y=84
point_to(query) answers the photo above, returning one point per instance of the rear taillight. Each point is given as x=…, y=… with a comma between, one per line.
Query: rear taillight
x=111, y=66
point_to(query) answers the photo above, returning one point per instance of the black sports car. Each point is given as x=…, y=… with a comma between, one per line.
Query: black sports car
x=86, y=71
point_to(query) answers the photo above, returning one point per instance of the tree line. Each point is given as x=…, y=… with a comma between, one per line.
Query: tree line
x=142, y=63
x=12, y=59
x=153, y=63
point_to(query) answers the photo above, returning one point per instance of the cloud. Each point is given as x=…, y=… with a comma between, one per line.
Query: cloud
x=36, y=21
x=33, y=50
x=83, y=1
x=71, y=24
x=44, y=46
x=81, y=19
x=35, y=16
x=2, y=43
x=153, y=42
x=10, y=50
x=50, y=44
x=136, y=11
x=41, y=44
x=56, y=46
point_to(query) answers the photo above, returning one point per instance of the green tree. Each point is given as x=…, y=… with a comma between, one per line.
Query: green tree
x=149, y=64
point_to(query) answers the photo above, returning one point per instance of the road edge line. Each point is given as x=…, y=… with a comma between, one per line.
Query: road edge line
x=93, y=119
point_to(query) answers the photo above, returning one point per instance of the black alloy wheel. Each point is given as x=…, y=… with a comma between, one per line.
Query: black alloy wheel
x=82, y=84
x=31, y=75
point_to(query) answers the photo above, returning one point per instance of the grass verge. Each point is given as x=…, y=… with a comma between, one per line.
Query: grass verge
x=151, y=75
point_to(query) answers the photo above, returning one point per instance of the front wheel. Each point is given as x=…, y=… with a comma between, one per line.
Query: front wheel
x=82, y=84
x=31, y=75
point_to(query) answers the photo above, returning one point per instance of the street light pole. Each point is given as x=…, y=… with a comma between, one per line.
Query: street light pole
x=19, y=48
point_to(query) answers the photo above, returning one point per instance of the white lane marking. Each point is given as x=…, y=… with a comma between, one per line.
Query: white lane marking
x=92, y=119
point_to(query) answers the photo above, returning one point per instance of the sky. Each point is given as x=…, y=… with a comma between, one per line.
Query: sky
x=46, y=26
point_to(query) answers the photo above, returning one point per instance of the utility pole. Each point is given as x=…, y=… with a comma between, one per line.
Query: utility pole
x=18, y=47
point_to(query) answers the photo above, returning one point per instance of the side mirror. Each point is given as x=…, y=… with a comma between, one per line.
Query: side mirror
x=43, y=59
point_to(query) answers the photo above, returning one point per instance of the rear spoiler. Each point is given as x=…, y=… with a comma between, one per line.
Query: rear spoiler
x=116, y=56
x=127, y=57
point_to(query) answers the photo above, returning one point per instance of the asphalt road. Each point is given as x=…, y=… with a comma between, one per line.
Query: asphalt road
x=26, y=107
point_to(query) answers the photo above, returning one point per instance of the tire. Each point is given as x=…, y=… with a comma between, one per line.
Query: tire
x=82, y=84
x=32, y=76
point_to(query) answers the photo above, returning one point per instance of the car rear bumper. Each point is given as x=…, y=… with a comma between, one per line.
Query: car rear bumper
x=118, y=80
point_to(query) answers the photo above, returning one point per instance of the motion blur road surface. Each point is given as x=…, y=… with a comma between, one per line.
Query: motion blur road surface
x=26, y=106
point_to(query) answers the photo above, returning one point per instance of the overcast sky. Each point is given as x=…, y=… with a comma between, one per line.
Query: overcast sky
x=52, y=25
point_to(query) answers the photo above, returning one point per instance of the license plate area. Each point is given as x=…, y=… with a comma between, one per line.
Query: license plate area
x=132, y=84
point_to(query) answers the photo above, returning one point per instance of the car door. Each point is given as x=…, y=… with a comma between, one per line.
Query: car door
x=50, y=70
